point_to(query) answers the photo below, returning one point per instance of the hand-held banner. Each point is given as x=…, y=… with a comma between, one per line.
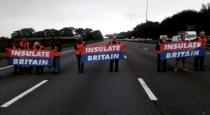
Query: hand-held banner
x=30, y=57
x=186, y=49
x=103, y=53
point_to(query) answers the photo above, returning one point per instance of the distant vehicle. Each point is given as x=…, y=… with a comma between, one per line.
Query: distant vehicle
x=175, y=38
x=189, y=35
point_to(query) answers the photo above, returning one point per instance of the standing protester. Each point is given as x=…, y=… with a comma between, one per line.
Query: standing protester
x=161, y=64
x=79, y=46
x=56, y=46
x=199, y=61
x=15, y=46
x=183, y=60
x=38, y=46
x=24, y=44
x=114, y=42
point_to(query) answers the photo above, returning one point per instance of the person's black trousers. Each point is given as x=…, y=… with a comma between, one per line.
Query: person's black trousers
x=112, y=64
x=161, y=64
x=80, y=64
x=199, y=63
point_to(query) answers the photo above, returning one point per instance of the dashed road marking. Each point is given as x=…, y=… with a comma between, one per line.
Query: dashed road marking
x=147, y=90
x=146, y=49
x=6, y=67
x=7, y=104
x=64, y=52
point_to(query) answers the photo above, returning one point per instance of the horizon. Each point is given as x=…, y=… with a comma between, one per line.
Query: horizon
x=107, y=18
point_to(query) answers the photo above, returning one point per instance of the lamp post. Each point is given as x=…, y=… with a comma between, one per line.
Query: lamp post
x=147, y=10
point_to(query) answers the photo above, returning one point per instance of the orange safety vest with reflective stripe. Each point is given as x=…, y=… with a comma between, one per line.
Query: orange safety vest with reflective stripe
x=79, y=48
x=56, y=52
x=203, y=40
x=24, y=45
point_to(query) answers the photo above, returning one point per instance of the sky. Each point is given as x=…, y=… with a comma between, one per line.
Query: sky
x=109, y=16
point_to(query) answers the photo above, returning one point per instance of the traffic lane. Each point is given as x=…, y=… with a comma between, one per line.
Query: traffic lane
x=12, y=85
x=150, y=50
x=95, y=92
x=179, y=93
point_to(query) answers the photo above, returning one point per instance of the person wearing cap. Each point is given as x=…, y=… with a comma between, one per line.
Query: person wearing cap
x=112, y=62
x=38, y=46
x=79, y=46
x=183, y=60
x=161, y=64
x=199, y=61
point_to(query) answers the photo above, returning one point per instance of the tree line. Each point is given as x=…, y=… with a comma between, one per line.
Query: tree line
x=187, y=20
x=87, y=33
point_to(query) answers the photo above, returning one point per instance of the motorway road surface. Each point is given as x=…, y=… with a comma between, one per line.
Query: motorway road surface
x=96, y=92
x=99, y=92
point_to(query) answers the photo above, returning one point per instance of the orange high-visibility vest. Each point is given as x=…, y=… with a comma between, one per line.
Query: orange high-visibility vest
x=56, y=52
x=24, y=45
x=203, y=41
x=79, y=48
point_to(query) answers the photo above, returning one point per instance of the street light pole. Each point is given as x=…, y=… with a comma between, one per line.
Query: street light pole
x=147, y=10
x=131, y=15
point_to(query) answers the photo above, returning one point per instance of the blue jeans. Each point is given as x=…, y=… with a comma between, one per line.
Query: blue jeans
x=57, y=65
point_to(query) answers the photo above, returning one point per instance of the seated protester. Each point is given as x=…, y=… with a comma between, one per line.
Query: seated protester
x=183, y=60
x=38, y=46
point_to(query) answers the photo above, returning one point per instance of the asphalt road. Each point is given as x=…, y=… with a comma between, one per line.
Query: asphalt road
x=178, y=93
x=99, y=92
x=96, y=92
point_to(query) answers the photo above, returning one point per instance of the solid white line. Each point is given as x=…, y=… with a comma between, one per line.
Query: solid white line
x=23, y=94
x=147, y=90
x=6, y=67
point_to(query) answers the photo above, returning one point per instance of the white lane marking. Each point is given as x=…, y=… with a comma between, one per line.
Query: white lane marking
x=6, y=67
x=146, y=49
x=67, y=51
x=64, y=52
x=7, y=104
x=147, y=90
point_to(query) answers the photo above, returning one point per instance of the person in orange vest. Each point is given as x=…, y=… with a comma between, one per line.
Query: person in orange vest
x=24, y=44
x=183, y=60
x=38, y=46
x=113, y=42
x=56, y=46
x=199, y=61
x=79, y=46
x=161, y=64
x=15, y=46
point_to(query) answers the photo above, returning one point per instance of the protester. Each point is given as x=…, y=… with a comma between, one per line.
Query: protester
x=25, y=45
x=38, y=46
x=15, y=46
x=80, y=44
x=199, y=61
x=56, y=46
x=161, y=64
x=183, y=60
x=114, y=42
